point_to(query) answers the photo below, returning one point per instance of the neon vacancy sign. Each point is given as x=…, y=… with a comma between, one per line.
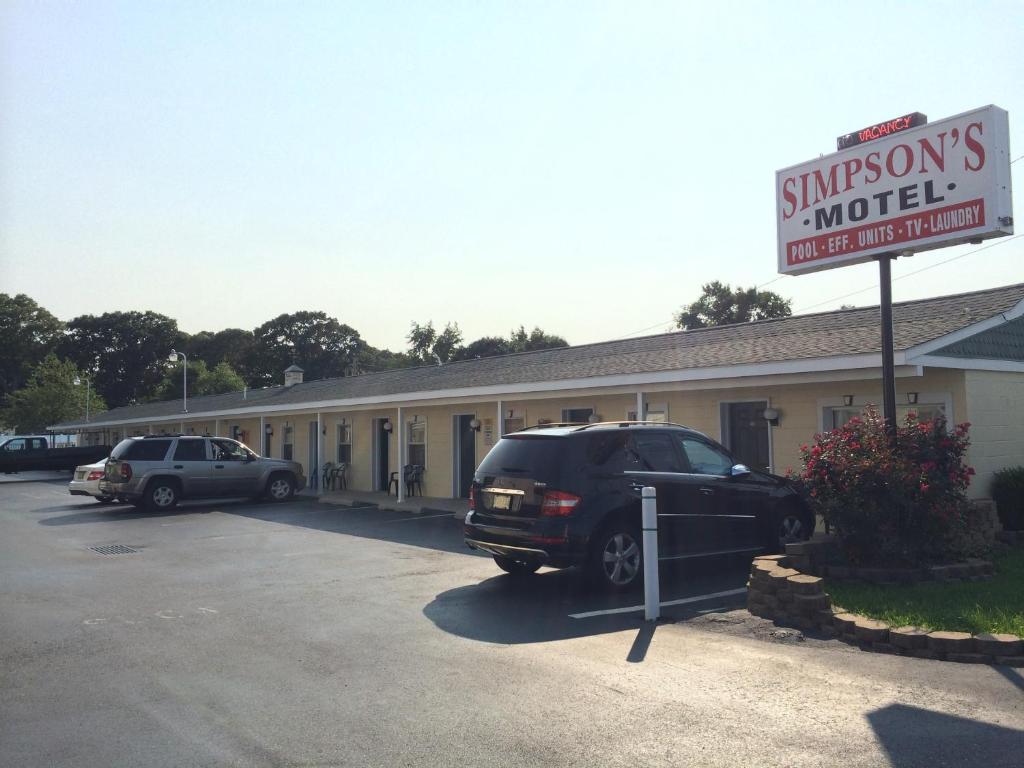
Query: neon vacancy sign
x=880, y=130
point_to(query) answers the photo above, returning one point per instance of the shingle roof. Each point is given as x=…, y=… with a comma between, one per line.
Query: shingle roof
x=1004, y=342
x=825, y=334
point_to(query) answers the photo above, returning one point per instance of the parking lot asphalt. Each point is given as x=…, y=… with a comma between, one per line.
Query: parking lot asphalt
x=235, y=633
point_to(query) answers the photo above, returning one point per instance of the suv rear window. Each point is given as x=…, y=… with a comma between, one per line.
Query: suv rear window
x=141, y=450
x=536, y=458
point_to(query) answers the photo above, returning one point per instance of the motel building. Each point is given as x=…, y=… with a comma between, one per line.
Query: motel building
x=960, y=355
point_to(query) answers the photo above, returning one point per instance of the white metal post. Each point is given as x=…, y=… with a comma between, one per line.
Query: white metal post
x=639, y=406
x=263, y=435
x=401, y=455
x=649, y=521
x=319, y=453
x=500, y=431
x=216, y=427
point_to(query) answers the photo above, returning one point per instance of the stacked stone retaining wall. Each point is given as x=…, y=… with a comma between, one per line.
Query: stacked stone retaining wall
x=786, y=595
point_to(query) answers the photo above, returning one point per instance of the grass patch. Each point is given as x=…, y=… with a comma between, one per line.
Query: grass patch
x=995, y=605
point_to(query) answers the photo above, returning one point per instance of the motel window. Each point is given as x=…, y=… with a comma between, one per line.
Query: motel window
x=344, y=443
x=286, y=447
x=576, y=415
x=417, y=446
x=652, y=412
x=514, y=420
x=835, y=417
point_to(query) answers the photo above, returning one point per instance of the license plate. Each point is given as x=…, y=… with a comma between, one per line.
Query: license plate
x=502, y=502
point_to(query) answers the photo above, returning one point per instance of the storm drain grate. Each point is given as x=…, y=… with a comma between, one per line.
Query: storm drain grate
x=114, y=549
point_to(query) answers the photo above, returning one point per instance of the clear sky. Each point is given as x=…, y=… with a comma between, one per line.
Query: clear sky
x=581, y=166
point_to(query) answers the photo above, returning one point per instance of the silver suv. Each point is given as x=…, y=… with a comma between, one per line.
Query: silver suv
x=157, y=471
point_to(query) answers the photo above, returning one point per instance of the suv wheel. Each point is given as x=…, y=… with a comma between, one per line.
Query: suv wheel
x=794, y=525
x=161, y=495
x=280, y=487
x=516, y=567
x=617, y=557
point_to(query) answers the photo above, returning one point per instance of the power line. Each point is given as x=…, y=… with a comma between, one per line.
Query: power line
x=915, y=272
x=757, y=286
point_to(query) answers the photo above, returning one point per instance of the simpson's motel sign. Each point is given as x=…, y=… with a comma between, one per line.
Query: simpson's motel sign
x=913, y=190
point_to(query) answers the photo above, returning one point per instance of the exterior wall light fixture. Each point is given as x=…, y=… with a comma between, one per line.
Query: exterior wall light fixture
x=912, y=398
x=771, y=415
x=847, y=399
x=593, y=418
x=387, y=426
x=474, y=424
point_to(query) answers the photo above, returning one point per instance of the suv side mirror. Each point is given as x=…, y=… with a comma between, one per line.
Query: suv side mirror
x=739, y=470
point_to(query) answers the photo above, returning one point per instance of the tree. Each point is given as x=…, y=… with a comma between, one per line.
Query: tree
x=485, y=346
x=27, y=334
x=318, y=344
x=721, y=305
x=537, y=339
x=49, y=397
x=125, y=353
x=232, y=346
x=201, y=380
x=518, y=341
x=370, y=359
x=426, y=345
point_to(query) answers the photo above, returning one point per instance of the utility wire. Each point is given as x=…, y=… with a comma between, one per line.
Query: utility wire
x=758, y=286
x=915, y=272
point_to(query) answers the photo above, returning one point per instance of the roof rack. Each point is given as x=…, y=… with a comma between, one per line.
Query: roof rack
x=552, y=424
x=580, y=426
x=628, y=423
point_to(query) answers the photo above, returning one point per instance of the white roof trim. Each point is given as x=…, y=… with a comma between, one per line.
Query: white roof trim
x=970, y=363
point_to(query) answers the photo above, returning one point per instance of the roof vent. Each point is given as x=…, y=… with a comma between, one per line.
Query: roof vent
x=293, y=375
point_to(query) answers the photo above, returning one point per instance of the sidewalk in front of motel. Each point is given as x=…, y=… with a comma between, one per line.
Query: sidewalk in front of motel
x=417, y=505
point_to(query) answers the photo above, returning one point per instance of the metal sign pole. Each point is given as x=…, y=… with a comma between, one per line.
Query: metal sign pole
x=888, y=363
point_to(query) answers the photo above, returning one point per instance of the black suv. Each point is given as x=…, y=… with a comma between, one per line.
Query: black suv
x=565, y=495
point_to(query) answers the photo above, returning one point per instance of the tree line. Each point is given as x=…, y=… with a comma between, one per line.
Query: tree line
x=121, y=358
x=53, y=371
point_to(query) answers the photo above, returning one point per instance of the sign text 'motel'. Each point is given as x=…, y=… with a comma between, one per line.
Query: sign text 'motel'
x=921, y=188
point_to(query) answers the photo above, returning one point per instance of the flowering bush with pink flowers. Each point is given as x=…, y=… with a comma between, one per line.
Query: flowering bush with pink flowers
x=888, y=503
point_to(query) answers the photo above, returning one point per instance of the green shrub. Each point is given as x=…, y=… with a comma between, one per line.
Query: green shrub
x=1008, y=494
x=902, y=503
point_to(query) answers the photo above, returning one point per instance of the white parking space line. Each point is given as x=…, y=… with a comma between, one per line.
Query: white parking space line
x=681, y=601
x=418, y=517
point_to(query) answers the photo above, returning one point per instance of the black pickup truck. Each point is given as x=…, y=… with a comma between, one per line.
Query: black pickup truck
x=31, y=452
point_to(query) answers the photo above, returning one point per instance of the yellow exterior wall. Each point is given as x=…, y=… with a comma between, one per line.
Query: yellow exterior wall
x=995, y=409
x=995, y=404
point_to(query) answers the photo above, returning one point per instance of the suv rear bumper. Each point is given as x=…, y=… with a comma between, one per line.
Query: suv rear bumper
x=553, y=544
x=507, y=550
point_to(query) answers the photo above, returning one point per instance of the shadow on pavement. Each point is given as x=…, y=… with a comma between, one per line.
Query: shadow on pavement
x=539, y=608
x=1013, y=675
x=442, y=533
x=918, y=737
x=114, y=512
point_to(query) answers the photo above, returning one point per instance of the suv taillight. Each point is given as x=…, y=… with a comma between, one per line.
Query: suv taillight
x=558, y=503
x=126, y=472
x=472, y=499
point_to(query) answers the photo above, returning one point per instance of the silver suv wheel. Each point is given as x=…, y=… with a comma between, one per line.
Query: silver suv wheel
x=620, y=559
x=791, y=529
x=280, y=488
x=163, y=496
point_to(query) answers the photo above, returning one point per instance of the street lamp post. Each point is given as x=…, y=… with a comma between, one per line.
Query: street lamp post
x=173, y=357
x=78, y=382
